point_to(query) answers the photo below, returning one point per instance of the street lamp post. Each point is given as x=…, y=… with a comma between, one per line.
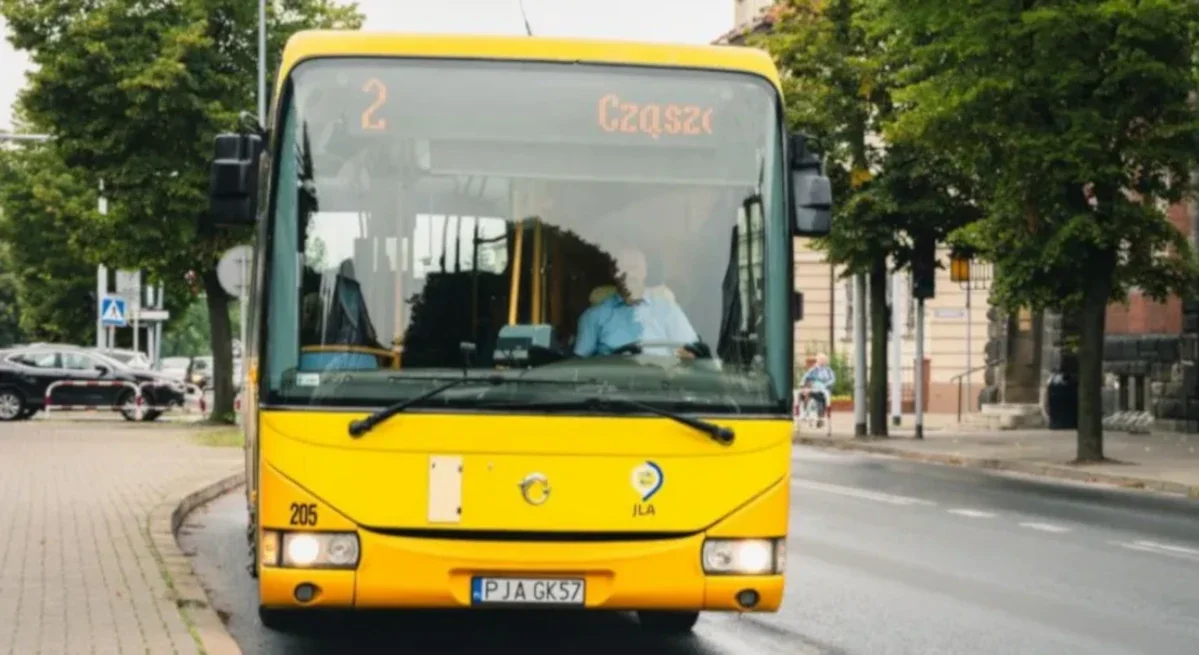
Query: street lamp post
x=970, y=275
x=959, y=271
x=262, y=62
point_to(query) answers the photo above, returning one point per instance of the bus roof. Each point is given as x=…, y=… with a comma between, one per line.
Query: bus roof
x=323, y=43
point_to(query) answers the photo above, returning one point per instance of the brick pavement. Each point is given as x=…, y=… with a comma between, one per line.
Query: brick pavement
x=77, y=572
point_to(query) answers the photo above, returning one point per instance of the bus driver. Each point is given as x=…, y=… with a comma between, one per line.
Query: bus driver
x=631, y=316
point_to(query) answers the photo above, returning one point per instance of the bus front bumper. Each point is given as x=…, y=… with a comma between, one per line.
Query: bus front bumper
x=409, y=572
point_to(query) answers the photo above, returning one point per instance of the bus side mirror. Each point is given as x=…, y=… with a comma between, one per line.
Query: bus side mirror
x=233, y=180
x=811, y=191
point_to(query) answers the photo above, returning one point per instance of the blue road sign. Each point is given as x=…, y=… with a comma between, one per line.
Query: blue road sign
x=112, y=311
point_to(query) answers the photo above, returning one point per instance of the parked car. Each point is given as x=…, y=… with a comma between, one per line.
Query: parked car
x=175, y=367
x=26, y=374
x=131, y=358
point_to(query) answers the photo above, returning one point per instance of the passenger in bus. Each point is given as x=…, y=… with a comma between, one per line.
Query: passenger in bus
x=631, y=315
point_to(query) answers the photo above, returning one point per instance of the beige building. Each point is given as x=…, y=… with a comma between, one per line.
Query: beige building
x=955, y=336
x=746, y=11
x=956, y=325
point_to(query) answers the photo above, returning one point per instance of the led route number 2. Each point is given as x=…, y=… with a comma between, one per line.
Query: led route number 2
x=370, y=122
x=652, y=119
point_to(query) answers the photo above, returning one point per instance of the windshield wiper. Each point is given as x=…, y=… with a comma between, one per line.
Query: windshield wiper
x=719, y=434
x=362, y=426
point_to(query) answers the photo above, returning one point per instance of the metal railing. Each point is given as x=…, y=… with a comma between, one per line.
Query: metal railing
x=961, y=377
x=137, y=397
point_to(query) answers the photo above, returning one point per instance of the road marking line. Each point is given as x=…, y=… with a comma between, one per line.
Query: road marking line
x=860, y=493
x=1177, y=549
x=972, y=513
x=1160, y=549
x=1045, y=527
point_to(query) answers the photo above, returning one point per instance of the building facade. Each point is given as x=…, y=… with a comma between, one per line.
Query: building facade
x=747, y=11
x=975, y=352
x=956, y=320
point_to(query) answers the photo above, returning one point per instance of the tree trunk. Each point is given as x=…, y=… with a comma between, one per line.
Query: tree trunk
x=879, y=317
x=222, y=348
x=1092, y=326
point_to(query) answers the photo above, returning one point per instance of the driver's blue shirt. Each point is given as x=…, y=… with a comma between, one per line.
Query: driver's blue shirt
x=614, y=323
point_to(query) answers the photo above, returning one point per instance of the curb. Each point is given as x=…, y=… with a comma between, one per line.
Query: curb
x=183, y=587
x=1030, y=468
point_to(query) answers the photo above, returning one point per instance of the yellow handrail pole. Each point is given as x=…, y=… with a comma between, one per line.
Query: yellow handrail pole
x=397, y=342
x=535, y=271
x=514, y=291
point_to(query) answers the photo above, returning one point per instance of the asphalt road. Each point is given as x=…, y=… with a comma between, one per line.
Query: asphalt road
x=885, y=556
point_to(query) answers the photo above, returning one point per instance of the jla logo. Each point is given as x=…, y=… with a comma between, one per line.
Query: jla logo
x=647, y=481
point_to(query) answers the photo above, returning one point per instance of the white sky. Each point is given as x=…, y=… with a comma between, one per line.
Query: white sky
x=682, y=21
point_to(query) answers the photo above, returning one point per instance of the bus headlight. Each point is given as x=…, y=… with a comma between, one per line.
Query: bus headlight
x=317, y=550
x=744, y=556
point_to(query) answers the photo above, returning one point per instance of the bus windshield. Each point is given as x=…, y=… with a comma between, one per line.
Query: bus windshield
x=608, y=225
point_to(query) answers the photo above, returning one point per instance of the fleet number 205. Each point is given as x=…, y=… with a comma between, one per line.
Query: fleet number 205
x=303, y=513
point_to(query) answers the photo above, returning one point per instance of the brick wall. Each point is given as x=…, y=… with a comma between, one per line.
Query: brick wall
x=1144, y=316
x=1153, y=349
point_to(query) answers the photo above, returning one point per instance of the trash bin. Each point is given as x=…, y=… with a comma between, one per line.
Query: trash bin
x=1061, y=401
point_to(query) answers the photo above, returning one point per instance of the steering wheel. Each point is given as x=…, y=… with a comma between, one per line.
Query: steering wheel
x=699, y=349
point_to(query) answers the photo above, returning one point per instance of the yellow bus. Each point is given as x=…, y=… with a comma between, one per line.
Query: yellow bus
x=521, y=325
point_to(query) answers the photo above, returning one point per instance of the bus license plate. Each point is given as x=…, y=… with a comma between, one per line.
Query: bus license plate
x=527, y=591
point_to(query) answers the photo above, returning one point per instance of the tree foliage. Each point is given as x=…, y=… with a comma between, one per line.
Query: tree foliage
x=45, y=222
x=134, y=92
x=837, y=79
x=189, y=335
x=10, y=312
x=1075, y=118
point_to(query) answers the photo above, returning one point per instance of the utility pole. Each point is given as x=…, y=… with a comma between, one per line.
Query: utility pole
x=262, y=62
x=924, y=286
x=896, y=354
x=160, y=304
x=920, y=368
x=104, y=336
x=859, y=355
x=101, y=291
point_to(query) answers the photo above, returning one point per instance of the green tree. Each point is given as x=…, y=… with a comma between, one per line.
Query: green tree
x=134, y=92
x=46, y=217
x=188, y=335
x=10, y=313
x=837, y=78
x=1076, y=117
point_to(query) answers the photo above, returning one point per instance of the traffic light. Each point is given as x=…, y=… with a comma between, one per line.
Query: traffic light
x=924, y=268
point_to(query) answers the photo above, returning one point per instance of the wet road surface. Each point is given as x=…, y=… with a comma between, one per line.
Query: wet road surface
x=885, y=556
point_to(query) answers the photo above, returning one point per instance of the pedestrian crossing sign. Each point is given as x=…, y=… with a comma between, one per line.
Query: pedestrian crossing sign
x=112, y=311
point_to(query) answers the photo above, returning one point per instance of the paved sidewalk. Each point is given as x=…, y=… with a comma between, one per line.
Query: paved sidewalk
x=1160, y=461
x=78, y=573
